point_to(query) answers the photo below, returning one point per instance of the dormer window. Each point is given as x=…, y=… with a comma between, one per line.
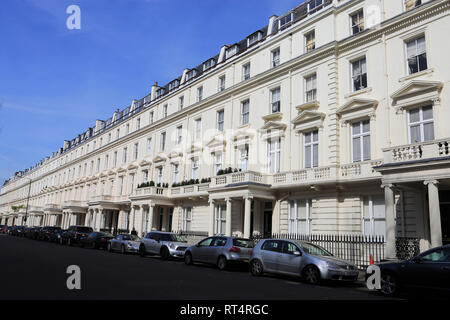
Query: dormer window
x=411, y=4
x=159, y=93
x=191, y=74
x=315, y=5
x=286, y=19
x=174, y=84
x=257, y=36
x=209, y=64
x=231, y=51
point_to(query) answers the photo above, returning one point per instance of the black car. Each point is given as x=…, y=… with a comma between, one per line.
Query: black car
x=428, y=270
x=33, y=233
x=74, y=234
x=96, y=240
x=56, y=235
x=3, y=228
x=17, y=231
x=46, y=233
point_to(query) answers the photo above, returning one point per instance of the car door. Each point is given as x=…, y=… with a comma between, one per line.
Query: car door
x=270, y=254
x=290, y=259
x=200, y=250
x=116, y=242
x=217, y=246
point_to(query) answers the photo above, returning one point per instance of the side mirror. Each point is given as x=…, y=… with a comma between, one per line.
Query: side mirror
x=297, y=253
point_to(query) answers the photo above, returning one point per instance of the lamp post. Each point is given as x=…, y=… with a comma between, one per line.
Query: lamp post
x=28, y=198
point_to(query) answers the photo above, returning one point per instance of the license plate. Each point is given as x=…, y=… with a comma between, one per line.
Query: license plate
x=245, y=260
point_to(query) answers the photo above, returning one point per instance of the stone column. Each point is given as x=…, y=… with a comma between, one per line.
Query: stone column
x=151, y=216
x=211, y=218
x=131, y=217
x=228, y=217
x=435, y=213
x=247, y=216
x=138, y=213
x=389, y=202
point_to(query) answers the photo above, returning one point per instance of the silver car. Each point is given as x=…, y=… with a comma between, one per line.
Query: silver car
x=220, y=251
x=124, y=243
x=304, y=259
x=165, y=244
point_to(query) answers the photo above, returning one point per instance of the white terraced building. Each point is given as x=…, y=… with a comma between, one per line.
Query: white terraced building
x=332, y=118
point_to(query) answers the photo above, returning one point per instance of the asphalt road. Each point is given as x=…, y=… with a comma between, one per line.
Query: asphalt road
x=32, y=269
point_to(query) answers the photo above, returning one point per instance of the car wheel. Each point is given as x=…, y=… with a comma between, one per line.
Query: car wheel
x=389, y=284
x=188, y=259
x=256, y=268
x=122, y=249
x=222, y=263
x=142, y=251
x=311, y=275
x=69, y=242
x=165, y=255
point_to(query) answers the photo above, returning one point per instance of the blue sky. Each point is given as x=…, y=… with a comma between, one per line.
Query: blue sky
x=55, y=82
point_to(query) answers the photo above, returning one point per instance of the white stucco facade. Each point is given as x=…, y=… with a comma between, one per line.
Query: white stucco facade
x=332, y=130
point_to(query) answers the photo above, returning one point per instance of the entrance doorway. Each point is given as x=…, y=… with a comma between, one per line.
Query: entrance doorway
x=267, y=222
x=444, y=199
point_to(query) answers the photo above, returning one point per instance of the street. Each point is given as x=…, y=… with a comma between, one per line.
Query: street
x=37, y=270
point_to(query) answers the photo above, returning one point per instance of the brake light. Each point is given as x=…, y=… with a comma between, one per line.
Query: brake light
x=235, y=249
x=102, y=239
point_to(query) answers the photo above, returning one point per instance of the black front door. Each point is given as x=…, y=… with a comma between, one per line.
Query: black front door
x=444, y=199
x=267, y=228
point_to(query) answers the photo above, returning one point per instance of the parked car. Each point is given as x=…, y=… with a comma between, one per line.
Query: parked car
x=17, y=231
x=302, y=259
x=428, y=270
x=96, y=240
x=74, y=234
x=46, y=233
x=220, y=251
x=125, y=243
x=56, y=235
x=3, y=228
x=34, y=233
x=26, y=232
x=165, y=244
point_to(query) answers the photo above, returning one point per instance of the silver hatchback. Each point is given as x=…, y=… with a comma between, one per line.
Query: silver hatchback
x=166, y=244
x=311, y=262
x=220, y=251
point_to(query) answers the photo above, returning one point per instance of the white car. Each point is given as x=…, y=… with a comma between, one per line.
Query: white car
x=124, y=243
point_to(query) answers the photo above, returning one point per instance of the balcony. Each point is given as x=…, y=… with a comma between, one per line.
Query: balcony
x=335, y=173
x=237, y=177
x=149, y=191
x=75, y=203
x=434, y=149
x=190, y=190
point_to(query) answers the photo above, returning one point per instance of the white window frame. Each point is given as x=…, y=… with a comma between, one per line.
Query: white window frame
x=352, y=64
x=199, y=93
x=421, y=123
x=243, y=158
x=307, y=36
x=195, y=168
x=294, y=218
x=218, y=159
x=197, y=129
x=359, y=136
x=149, y=146
x=124, y=155
x=176, y=172
x=274, y=147
x=371, y=219
x=220, y=218
x=136, y=151
x=417, y=54
x=181, y=103
x=246, y=71
x=312, y=78
x=245, y=114
x=222, y=81
x=221, y=124
x=275, y=57
x=179, y=134
x=159, y=174
x=311, y=144
x=272, y=101
x=162, y=145
x=188, y=213
x=359, y=14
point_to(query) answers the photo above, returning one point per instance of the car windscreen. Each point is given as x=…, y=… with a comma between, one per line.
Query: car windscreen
x=314, y=250
x=84, y=229
x=131, y=237
x=105, y=234
x=171, y=237
x=243, y=243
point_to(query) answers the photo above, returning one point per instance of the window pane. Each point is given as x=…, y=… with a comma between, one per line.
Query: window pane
x=315, y=136
x=415, y=133
x=307, y=137
x=315, y=155
x=366, y=126
x=307, y=156
x=356, y=128
x=427, y=113
x=421, y=45
x=356, y=149
x=414, y=115
x=366, y=147
x=428, y=131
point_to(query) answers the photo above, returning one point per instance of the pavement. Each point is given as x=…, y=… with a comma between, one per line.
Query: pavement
x=33, y=269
